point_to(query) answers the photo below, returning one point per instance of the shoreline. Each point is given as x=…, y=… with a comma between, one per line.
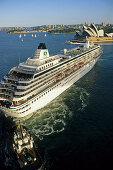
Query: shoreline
x=35, y=31
x=94, y=40
x=108, y=41
x=101, y=39
x=19, y=32
x=63, y=33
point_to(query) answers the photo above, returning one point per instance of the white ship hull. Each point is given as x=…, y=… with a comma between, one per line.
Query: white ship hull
x=49, y=94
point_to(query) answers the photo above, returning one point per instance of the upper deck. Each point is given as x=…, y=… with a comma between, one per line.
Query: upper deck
x=23, y=81
x=42, y=63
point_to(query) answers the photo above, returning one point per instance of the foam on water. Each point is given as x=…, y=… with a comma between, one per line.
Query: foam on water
x=84, y=99
x=54, y=117
x=51, y=119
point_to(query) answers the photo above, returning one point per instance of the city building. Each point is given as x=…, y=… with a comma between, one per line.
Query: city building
x=104, y=24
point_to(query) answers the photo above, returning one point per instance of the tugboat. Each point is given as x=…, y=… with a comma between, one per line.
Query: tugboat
x=23, y=146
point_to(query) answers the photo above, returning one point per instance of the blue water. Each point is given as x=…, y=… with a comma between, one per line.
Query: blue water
x=75, y=131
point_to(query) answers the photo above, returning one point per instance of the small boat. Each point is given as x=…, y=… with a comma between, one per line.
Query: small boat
x=24, y=35
x=32, y=35
x=45, y=35
x=35, y=35
x=24, y=149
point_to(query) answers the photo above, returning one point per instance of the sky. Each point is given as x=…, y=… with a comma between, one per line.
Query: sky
x=50, y=12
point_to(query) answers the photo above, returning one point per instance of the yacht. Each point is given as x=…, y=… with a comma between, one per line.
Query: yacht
x=36, y=82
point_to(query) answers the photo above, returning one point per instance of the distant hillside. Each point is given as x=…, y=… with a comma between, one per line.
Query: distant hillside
x=62, y=31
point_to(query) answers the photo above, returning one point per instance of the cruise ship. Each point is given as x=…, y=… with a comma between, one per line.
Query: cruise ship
x=36, y=82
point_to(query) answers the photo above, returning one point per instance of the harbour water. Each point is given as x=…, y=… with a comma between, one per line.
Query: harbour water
x=75, y=131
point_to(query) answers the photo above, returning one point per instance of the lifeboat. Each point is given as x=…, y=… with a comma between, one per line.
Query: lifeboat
x=81, y=64
x=75, y=66
x=60, y=75
x=68, y=70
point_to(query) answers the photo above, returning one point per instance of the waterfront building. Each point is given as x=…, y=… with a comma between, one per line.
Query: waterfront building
x=90, y=31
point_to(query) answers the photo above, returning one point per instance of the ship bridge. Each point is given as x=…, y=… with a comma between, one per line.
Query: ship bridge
x=40, y=61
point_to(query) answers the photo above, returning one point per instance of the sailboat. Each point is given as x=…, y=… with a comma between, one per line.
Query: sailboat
x=20, y=36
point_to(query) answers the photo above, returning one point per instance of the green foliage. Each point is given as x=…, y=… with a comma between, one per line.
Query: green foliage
x=108, y=29
x=68, y=30
x=14, y=31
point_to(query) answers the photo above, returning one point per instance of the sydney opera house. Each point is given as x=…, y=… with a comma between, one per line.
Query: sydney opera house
x=90, y=31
